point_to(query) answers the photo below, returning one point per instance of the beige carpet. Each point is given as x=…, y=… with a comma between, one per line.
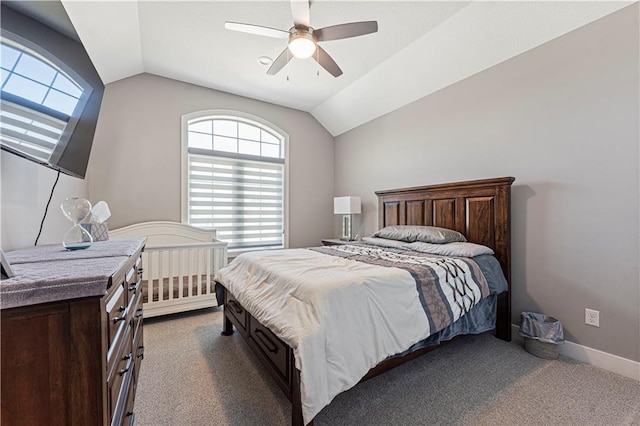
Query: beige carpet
x=191, y=375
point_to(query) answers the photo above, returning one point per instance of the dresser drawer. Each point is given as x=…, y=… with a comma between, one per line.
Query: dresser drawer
x=134, y=310
x=116, y=307
x=117, y=318
x=236, y=310
x=271, y=346
x=129, y=414
x=132, y=274
x=134, y=286
x=138, y=352
x=119, y=414
x=119, y=380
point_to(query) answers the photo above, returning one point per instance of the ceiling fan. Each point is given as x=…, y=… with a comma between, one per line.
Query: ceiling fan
x=303, y=39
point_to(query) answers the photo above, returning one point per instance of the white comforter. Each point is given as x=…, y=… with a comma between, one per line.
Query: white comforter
x=341, y=317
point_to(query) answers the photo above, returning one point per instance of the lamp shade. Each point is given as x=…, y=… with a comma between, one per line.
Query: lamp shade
x=346, y=205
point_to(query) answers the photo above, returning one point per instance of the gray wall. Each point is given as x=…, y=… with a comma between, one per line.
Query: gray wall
x=25, y=191
x=562, y=119
x=135, y=162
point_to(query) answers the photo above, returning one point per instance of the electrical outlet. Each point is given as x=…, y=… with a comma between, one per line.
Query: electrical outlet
x=592, y=317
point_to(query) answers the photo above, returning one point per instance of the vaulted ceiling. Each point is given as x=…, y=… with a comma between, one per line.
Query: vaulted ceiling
x=420, y=47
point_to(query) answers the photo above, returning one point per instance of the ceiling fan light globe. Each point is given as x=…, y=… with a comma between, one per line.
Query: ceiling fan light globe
x=302, y=47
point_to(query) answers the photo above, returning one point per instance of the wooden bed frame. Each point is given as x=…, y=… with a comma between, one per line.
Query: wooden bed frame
x=480, y=209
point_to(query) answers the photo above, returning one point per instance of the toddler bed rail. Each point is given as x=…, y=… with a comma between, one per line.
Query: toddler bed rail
x=179, y=263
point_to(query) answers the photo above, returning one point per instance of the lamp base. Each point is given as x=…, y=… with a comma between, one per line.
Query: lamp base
x=346, y=228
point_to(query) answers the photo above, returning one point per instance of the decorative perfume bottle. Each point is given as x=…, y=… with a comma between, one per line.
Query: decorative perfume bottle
x=76, y=210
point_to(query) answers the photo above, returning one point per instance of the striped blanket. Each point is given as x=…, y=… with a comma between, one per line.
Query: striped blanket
x=448, y=287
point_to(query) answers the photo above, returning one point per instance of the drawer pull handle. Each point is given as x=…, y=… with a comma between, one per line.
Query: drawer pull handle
x=271, y=347
x=140, y=270
x=134, y=287
x=116, y=319
x=121, y=308
x=127, y=368
x=235, y=306
x=141, y=354
x=140, y=313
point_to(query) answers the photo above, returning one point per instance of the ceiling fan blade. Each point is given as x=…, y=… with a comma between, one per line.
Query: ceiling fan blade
x=256, y=29
x=280, y=62
x=300, y=12
x=353, y=29
x=327, y=62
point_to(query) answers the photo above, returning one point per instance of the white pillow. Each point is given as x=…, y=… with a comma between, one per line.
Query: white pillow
x=383, y=242
x=427, y=234
x=457, y=249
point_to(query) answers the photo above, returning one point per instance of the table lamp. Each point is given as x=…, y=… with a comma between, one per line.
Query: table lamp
x=347, y=206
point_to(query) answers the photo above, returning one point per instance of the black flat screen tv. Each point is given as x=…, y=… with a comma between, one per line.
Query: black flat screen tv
x=55, y=129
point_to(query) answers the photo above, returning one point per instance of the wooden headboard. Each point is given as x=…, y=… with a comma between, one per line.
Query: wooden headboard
x=479, y=209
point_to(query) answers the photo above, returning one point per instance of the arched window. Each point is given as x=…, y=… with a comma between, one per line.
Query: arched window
x=40, y=103
x=233, y=177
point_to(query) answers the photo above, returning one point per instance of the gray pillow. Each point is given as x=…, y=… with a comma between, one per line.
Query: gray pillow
x=426, y=234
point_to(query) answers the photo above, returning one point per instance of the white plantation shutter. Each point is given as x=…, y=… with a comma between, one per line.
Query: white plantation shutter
x=239, y=195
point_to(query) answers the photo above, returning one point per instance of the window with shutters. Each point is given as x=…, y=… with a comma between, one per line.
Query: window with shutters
x=40, y=100
x=234, y=178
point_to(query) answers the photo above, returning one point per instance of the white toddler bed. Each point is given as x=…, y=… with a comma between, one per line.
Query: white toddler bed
x=179, y=263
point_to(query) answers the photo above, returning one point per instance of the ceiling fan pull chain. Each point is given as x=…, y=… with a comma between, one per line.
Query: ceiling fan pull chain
x=288, y=60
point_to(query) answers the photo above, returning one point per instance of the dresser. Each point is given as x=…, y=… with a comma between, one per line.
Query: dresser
x=72, y=335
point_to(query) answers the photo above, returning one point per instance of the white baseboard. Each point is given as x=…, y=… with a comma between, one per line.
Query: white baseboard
x=595, y=357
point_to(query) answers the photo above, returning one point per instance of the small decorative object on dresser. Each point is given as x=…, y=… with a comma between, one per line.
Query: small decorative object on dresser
x=76, y=210
x=7, y=272
x=72, y=335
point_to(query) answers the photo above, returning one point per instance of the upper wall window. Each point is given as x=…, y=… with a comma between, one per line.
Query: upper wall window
x=39, y=100
x=35, y=80
x=234, y=179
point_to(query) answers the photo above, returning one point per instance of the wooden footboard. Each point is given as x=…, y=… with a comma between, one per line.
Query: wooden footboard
x=275, y=355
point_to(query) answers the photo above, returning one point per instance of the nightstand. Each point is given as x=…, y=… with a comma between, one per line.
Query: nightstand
x=335, y=242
